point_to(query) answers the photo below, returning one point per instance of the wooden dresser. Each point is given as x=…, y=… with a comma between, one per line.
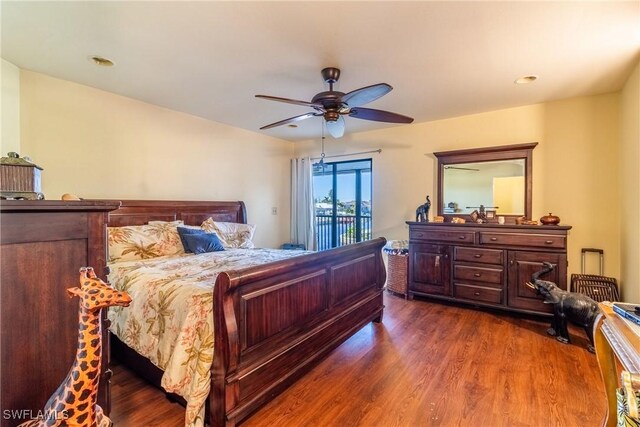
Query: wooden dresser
x=485, y=264
x=43, y=245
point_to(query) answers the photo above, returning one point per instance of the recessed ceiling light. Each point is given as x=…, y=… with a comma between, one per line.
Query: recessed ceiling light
x=293, y=126
x=101, y=61
x=526, y=79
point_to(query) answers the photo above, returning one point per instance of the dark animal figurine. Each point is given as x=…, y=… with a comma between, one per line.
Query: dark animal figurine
x=567, y=306
x=422, y=213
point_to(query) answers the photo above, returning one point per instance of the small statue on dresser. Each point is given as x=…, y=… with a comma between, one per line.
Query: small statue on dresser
x=422, y=212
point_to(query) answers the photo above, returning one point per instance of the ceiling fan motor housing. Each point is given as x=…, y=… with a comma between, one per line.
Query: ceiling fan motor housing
x=330, y=100
x=330, y=74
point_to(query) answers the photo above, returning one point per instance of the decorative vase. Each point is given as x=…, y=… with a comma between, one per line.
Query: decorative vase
x=550, y=219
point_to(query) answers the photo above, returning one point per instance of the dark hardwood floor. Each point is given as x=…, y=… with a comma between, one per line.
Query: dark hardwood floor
x=427, y=364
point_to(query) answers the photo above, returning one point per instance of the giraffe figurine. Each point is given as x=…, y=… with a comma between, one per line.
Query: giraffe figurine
x=74, y=403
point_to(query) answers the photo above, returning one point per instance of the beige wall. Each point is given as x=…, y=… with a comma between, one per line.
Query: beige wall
x=630, y=187
x=10, y=108
x=97, y=144
x=581, y=180
x=574, y=166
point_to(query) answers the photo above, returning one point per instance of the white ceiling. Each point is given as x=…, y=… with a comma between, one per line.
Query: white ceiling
x=444, y=59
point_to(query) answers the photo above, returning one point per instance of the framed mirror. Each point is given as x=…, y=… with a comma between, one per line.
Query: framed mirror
x=497, y=178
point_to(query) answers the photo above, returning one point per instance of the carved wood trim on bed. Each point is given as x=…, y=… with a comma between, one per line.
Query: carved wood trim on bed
x=139, y=212
x=275, y=321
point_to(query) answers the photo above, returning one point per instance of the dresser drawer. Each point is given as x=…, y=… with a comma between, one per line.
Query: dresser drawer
x=472, y=254
x=478, y=293
x=478, y=274
x=443, y=236
x=527, y=240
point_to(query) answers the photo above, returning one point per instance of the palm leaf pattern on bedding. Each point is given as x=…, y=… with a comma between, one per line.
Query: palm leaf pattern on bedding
x=199, y=357
x=232, y=235
x=158, y=323
x=165, y=232
x=162, y=364
x=173, y=299
x=119, y=234
x=142, y=251
x=237, y=238
x=126, y=283
x=133, y=332
x=143, y=241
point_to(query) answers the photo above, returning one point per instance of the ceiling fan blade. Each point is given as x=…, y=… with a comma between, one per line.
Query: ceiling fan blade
x=364, y=95
x=289, y=120
x=336, y=128
x=379, y=115
x=292, y=101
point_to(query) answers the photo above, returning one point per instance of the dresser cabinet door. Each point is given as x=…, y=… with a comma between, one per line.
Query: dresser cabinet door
x=430, y=269
x=522, y=265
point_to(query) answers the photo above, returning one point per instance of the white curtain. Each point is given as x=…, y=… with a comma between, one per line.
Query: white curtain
x=303, y=218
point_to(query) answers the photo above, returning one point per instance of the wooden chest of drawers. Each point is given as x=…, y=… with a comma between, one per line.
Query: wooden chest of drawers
x=484, y=264
x=43, y=245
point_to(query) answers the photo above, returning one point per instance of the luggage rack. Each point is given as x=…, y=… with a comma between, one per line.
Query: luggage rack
x=597, y=287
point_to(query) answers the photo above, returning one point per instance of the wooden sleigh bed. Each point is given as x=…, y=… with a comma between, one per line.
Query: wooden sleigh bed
x=260, y=350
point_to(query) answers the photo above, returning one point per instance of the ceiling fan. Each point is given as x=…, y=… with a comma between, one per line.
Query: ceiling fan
x=332, y=105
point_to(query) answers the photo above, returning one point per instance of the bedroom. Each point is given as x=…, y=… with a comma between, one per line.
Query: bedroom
x=142, y=147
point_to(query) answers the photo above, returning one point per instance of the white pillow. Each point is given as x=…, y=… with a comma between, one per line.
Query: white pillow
x=232, y=234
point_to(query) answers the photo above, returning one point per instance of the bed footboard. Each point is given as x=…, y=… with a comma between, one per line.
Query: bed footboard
x=276, y=321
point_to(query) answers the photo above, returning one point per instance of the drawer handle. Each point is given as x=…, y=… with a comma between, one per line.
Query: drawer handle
x=418, y=234
x=494, y=239
x=477, y=294
x=477, y=256
x=462, y=237
x=548, y=242
x=476, y=274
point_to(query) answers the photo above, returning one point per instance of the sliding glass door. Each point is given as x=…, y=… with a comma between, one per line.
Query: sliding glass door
x=342, y=195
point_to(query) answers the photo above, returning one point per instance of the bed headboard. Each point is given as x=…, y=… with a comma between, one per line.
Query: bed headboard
x=139, y=212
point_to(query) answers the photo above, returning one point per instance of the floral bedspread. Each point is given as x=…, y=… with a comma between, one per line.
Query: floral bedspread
x=170, y=318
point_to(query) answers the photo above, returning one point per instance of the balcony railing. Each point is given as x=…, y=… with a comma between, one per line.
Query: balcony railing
x=346, y=230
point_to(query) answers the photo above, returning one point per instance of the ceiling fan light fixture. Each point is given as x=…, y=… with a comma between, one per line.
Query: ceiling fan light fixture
x=526, y=79
x=331, y=116
x=101, y=61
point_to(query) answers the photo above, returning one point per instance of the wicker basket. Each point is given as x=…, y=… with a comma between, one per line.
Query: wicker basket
x=598, y=288
x=397, y=274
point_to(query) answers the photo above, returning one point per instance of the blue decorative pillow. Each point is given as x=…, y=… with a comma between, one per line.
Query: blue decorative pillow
x=202, y=242
x=183, y=231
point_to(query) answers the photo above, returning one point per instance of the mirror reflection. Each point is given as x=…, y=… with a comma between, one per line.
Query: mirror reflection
x=497, y=185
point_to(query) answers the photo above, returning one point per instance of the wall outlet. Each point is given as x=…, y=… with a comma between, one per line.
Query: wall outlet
x=274, y=211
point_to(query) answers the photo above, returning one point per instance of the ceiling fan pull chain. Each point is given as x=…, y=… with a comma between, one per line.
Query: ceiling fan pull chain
x=322, y=154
